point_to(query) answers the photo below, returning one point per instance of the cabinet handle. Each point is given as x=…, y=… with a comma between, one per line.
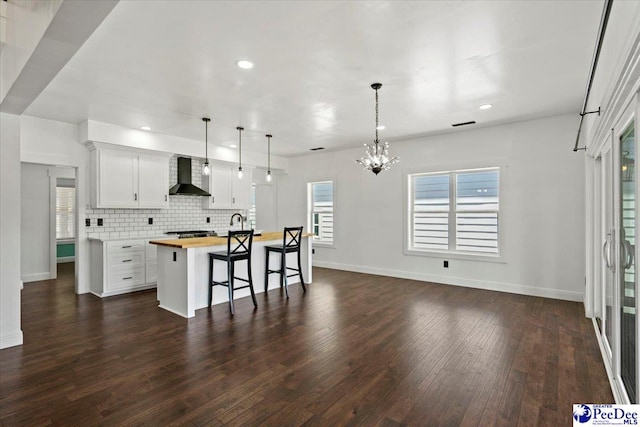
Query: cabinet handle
x=165, y=197
x=213, y=199
x=125, y=247
x=127, y=278
x=127, y=260
x=233, y=200
x=135, y=196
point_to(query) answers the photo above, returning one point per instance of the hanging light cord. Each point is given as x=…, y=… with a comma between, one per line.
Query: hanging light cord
x=206, y=141
x=269, y=153
x=240, y=147
x=376, y=141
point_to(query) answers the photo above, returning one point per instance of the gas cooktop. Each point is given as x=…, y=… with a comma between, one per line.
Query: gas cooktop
x=193, y=233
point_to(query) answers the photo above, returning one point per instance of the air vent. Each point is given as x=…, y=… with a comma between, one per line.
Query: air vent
x=472, y=122
x=317, y=148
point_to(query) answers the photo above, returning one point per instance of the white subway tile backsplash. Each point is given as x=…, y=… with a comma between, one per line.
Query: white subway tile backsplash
x=184, y=213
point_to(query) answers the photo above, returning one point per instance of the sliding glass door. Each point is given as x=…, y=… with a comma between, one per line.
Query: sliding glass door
x=626, y=280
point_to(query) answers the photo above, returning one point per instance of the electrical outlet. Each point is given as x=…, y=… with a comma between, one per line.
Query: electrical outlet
x=446, y=264
x=150, y=221
x=100, y=222
x=208, y=220
x=87, y=222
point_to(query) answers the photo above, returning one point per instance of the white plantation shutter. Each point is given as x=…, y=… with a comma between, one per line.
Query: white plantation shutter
x=455, y=211
x=477, y=211
x=322, y=211
x=431, y=212
x=252, y=206
x=65, y=212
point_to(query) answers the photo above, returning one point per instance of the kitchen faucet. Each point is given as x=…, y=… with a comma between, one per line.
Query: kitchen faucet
x=241, y=220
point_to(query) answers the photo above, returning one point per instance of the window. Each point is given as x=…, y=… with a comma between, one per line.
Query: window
x=252, y=206
x=321, y=211
x=455, y=211
x=65, y=209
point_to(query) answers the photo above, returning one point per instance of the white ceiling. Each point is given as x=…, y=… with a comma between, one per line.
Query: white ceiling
x=166, y=64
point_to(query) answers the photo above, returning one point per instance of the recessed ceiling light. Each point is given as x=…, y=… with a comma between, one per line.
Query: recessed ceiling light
x=233, y=146
x=485, y=106
x=381, y=127
x=244, y=64
x=145, y=127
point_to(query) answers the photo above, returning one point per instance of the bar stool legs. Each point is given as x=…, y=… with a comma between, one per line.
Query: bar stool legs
x=291, y=241
x=239, y=251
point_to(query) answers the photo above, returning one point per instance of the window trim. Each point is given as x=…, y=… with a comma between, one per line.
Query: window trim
x=310, y=212
x=455, y=254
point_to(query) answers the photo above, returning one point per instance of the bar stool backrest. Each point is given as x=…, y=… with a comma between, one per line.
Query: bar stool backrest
x=239, y=242
x=292, y=237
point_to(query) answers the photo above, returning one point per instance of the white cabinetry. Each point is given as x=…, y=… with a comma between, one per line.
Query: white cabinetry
x=122, y=266
x=227, y=190
x=122, y=178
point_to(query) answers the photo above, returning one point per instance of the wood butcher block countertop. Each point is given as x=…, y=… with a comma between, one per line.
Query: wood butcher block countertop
x=198, y=242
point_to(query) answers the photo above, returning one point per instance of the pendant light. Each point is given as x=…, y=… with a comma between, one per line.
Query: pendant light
x=240, y=129
x=376, y=157
x=269, y=157
x=205, y=168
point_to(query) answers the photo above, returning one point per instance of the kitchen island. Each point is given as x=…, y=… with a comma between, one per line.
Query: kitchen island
x=183, y=270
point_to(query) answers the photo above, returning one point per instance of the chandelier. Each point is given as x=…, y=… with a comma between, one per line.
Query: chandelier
x=377, y=155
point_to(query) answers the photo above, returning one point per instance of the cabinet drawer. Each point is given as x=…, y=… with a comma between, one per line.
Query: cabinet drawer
x=126, y=279
x=126, y=258
x=125, y=245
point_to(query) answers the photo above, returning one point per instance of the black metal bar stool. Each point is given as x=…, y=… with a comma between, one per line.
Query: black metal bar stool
x=291, y=240
x=238, y=249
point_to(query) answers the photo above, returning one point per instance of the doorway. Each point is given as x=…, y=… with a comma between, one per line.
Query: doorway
x=48, y=221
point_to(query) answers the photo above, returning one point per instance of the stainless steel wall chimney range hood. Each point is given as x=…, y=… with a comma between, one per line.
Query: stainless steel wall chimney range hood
x=184, y=185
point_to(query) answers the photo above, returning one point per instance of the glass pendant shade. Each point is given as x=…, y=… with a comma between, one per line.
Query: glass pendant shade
x=205, y=168
x=376, y=158
x=268, y=176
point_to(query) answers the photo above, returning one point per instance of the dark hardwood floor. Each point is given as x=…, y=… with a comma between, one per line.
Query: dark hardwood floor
x=354, y=350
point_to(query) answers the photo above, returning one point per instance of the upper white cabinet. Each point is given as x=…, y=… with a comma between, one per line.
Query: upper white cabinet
x=227, y=190
x=153, y=181
x=122, y=178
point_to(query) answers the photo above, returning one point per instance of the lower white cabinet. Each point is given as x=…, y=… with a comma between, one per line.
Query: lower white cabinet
x=122, y=266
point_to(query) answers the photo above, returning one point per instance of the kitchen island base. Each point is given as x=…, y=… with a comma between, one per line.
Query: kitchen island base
x=183, y=274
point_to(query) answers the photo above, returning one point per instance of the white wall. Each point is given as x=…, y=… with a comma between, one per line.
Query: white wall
x=35, y=224
x=541, y=205
x=10, y=285
x=49, y=142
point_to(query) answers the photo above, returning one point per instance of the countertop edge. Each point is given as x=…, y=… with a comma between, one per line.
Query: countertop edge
x=200, y=242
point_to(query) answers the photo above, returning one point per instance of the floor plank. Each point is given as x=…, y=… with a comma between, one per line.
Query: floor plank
x=356, y=349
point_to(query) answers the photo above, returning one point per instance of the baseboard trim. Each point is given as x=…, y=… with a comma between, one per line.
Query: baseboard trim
x=512, y=288
x=12, y=340
x=36, y=277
